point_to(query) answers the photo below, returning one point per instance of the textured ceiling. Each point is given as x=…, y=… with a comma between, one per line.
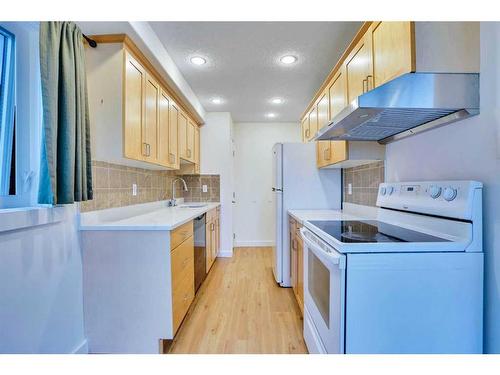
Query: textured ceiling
x=243, y=63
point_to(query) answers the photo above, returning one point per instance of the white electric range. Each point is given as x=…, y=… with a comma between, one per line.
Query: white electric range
x=409, y=281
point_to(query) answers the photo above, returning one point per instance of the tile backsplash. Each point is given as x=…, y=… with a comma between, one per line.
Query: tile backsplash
x=365, y=180
x=112, y=185
x=195, y=191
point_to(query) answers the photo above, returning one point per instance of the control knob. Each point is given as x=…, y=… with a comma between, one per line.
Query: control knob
x=449, y=194
x=390, y=190
x=434, y=191
x=382, y=190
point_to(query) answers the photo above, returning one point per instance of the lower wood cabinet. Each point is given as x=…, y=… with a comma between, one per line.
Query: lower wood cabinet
x=182, y=270
x=213, y=236
x=297, y=262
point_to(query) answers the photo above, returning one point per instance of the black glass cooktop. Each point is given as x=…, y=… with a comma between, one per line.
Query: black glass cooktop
x=371, y=231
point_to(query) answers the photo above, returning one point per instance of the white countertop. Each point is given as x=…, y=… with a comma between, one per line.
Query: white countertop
x=350, y=212
x=147, y=216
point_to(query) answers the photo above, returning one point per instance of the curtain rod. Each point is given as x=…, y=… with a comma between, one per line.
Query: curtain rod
x=91, y=42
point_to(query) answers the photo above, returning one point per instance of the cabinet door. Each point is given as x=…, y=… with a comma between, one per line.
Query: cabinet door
x=182, y=128
x=133, y=102
x=313, y=122
x=208, y=239
x=300, y=274
x=305, y=129
x=393, y=53
x=197, y=149
x=151, y=119
x=323, y=153
x=214, y=240
x=182, y=269
x=323, y=110
x=190, y=141
x=173, y=150
x=358, y=68
x=163, y=130
x=337, y=93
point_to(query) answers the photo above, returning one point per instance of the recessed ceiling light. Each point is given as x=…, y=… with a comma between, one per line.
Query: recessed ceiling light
x=216, y=100
x=271, y=115
x=277, y=101
x=288, y=59
x=198, y=60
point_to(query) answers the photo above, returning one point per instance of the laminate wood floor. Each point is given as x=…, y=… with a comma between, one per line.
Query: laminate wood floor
x=240, y=309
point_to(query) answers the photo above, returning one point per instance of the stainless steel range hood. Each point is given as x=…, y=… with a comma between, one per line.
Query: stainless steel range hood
x=407, y=105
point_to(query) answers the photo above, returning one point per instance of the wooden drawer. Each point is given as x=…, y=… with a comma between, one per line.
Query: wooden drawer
x=180, y=234
x=182, y=260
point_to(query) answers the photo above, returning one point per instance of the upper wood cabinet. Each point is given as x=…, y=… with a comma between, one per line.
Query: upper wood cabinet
x=150, y=129
x=392, y=52
x=182, y=129
x=134, y=99
x=359, y=69
x=135, y=113
x=337, y=93
x=379, y=53
x=197, y=150
x=305, y=128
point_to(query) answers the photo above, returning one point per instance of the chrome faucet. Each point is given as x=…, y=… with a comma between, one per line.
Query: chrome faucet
x=174, y=201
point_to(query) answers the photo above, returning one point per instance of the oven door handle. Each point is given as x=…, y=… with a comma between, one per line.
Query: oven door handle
x=333, y=256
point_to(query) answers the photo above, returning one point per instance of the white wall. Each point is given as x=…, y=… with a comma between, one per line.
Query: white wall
x=41, y=308
x=253, y=214
x=216, y=158
x=467, y=150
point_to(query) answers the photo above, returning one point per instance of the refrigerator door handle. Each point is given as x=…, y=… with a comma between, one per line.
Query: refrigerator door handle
x=276, y=189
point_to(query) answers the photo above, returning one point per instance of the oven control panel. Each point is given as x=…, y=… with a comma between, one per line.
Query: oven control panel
x=441, y=198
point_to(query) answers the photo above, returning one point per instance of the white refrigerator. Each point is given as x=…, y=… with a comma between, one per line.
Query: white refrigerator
x=298, y=184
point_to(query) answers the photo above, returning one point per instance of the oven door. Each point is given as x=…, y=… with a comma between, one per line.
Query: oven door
x=324, y=294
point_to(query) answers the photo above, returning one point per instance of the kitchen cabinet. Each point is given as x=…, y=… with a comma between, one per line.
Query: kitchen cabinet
x=297, y=262
x=182, y=267
x=182, y=126
x=197, y=150
x=383, y=50
x=150, y=129
x=305, y=129
x=213, y=236
x=313, y=123
x=359, y=69
x=173, y=147
x=392, y=52
x=137, y=118
x=134, y=98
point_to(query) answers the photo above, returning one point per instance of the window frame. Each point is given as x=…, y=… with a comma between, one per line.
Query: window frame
x=7, y=109
x=28, y=115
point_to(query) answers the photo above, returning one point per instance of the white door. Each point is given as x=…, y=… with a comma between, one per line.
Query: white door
x=324, y=292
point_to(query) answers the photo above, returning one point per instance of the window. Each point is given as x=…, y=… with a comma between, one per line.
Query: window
x=7, y=113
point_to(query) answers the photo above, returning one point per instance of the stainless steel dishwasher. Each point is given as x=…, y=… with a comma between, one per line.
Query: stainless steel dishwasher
x=200, y=251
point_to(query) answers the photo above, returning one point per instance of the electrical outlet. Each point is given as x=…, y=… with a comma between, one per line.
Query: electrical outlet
x=134, y=189
x=204, y=188
x=349, y=189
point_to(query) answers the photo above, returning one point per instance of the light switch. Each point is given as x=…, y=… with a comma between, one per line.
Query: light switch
x=204, y=188
x=349, y=189
x=134, y=189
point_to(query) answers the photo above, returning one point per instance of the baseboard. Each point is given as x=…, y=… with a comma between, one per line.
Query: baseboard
x=225, y=254
x=83, y=348
x=253, y=243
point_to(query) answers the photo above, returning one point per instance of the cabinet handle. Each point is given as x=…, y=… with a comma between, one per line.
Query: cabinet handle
x=149, y=149
x=189, y=152
x=368, y=77
x=294, y=244
x=212, y=227
x=307, y=133
x=326, y=154
x=144, y=149
x=172, y=158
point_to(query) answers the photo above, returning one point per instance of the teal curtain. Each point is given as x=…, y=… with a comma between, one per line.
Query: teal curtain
x=65, y=171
